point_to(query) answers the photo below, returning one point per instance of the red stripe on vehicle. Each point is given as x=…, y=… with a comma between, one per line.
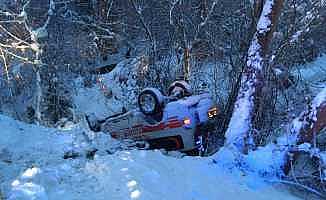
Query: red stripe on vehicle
x=114, y=135
x=172, y=123
x=175, y=124
x=158, y=127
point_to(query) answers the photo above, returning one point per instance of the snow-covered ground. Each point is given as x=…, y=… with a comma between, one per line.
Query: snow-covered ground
x=32, y=167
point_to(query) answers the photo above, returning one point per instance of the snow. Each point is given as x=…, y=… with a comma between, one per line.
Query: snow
x=313, y=73
x=313, y=79
x=254, y=58
x=263, y=26
x=295, y=36
x=266, y=162
x=319, y=99
x=24, y=145
x=305, y=116
x=32, y=168
x=264, y=22
x=120, y=82
x=91, y=101
x=240, y=119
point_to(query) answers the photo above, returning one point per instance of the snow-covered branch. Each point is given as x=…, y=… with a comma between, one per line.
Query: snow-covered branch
x=96, y=26
x=310, y=121
x=109, y=9
x=305, y=25
x=173, y=4
x=204, y=22
x=138, y=10
x=307, y=21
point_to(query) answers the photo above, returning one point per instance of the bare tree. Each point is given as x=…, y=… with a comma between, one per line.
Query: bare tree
x=240, y=128
x=22, y=42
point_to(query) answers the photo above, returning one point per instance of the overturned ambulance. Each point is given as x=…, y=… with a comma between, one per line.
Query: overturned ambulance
x=176, y=121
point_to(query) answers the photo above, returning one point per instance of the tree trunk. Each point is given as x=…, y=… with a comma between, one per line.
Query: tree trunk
x=240, y=126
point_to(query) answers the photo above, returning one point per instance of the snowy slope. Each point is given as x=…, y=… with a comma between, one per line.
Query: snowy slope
x=32, y=167
x=120, y=83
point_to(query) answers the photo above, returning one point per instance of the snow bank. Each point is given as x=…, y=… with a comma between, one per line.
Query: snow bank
x=265, y=162
x=122, y=81
x=151, y=175
x=17, y=138
x=23, y=146
x=32, y=168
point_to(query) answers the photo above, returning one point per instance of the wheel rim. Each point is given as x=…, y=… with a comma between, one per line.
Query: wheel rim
x=147, y=103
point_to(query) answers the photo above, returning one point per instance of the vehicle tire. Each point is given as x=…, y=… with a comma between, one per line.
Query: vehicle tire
x=150, y=101
x=187, y=91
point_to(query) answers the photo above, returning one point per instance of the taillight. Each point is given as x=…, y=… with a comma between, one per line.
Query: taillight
x=212, y=112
